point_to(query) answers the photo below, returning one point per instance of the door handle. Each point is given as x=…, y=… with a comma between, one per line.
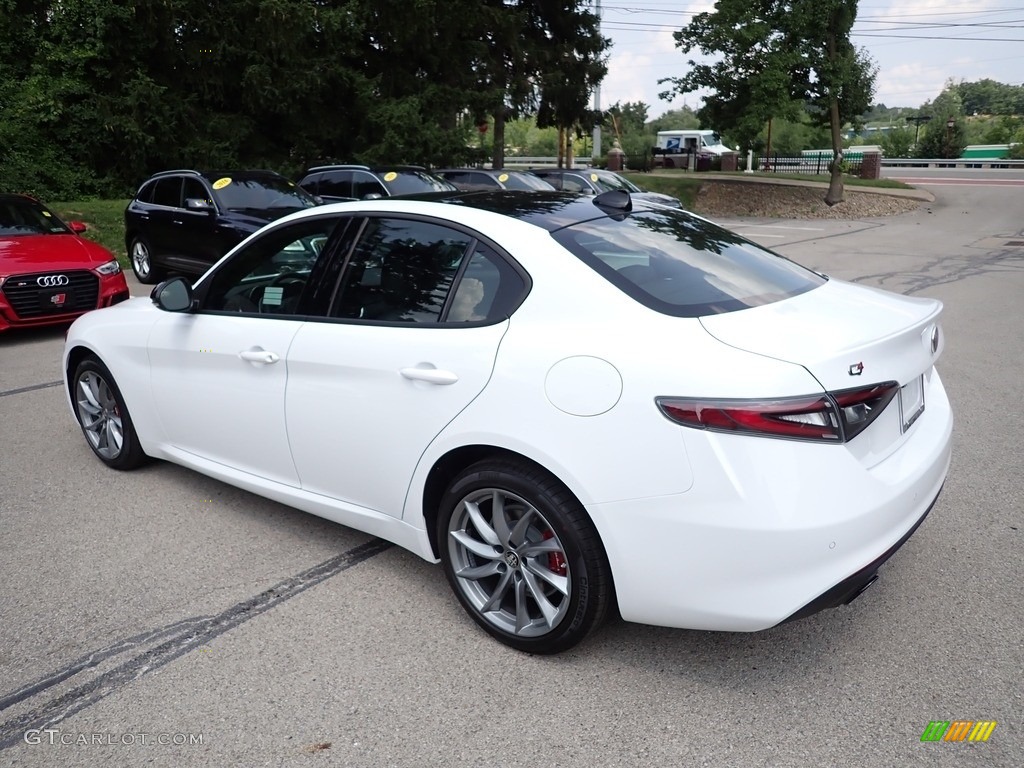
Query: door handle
x=259, y=356
x=430, y=375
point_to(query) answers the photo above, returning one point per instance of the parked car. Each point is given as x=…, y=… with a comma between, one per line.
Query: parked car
x=184, y=221
x=594, y=181
x=49, y=273
x=575, y=404
x=489, y=178
x=334, y=183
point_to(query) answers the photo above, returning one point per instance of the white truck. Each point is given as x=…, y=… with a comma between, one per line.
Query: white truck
x=691, y=142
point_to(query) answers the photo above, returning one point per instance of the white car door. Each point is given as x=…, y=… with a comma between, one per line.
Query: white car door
x=412, y=341
x=219, y=374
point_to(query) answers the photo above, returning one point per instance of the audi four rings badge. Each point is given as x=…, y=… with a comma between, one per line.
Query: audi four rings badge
x=52, y=281
x=857, y=369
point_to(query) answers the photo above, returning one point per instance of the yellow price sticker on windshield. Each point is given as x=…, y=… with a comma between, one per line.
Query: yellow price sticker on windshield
x=390, y=176
x=47, y=214
x=593, y=177
x=503, y=178
x=221, y=183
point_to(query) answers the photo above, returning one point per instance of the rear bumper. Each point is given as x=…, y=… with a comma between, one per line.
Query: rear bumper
x=771, y=530
x=852, y=587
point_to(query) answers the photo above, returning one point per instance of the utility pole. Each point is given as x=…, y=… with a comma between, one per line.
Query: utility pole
x=596, y=151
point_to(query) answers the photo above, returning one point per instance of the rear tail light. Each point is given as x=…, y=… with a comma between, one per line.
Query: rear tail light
x=833, y=417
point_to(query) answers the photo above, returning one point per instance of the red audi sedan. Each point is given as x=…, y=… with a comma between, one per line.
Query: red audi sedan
x=49, y=273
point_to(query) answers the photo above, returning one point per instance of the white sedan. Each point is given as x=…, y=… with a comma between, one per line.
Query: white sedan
x=577, y=405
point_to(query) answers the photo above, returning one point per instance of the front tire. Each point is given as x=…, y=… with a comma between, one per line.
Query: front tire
x=142, y=261
x=104, y=417
x=523, y=557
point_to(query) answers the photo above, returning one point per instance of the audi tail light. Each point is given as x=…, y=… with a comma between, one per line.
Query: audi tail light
x=832, y=417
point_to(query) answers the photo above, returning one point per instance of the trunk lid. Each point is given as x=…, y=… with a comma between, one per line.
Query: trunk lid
x=845, y=335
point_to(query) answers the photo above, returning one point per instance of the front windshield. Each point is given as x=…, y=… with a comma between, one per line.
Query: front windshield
x=27, y=217
x=524, y=181
x=260, y=194
x=414, y=182
x=606, y=181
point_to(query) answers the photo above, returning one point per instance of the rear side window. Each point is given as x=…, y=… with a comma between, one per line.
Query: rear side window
x=683, y=266
x=401, y=271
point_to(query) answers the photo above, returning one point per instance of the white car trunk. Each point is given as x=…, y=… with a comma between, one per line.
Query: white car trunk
x=845, y=335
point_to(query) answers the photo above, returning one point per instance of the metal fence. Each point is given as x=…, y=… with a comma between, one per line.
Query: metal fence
x=806, y=164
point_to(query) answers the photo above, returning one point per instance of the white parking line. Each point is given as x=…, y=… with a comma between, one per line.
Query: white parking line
x=758, y=234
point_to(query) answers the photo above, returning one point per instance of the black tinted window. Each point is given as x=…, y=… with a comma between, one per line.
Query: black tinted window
x=401, y=271
x=488, y=290
x=194, y=189
x=168, y=192
x=269, y=276
x=364, y=185
x=336, y=184
x=413, y=182
x=684, y=266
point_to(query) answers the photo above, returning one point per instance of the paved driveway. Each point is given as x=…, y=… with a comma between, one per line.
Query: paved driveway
x=160, y=606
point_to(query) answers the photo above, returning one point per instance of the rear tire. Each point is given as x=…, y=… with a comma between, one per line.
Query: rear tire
x=523, y=557
x=104, y=417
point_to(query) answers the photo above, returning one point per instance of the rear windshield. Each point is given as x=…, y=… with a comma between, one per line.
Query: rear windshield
x=683, y=266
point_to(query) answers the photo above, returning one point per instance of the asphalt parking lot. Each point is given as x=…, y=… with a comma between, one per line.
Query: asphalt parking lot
x=164, y=618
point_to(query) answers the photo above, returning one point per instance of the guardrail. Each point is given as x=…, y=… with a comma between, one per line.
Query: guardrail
x=963, y=162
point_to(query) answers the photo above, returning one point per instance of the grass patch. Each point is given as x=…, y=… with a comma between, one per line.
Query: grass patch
x=684, y=187
x=105, y=219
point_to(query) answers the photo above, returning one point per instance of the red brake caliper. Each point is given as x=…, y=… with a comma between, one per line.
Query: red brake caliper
x=556, y=560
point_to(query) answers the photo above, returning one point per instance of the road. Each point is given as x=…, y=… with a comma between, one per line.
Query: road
x=160, y=605
x=944, y=177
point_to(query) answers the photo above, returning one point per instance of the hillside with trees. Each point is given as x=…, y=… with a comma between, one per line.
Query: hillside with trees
x=97, y=94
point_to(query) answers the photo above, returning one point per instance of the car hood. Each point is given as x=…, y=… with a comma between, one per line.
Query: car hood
x=845, y=335
x=37, y=253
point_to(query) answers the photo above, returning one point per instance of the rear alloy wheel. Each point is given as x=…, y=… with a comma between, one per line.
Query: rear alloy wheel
x=523, y=557
x=104, y=418
x=142, y=262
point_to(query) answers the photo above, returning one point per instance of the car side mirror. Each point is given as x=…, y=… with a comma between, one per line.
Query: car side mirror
x=198, y=204
x=78, y=227
x=373, y=196
x=174, y=295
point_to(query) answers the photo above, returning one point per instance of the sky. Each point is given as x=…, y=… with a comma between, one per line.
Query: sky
x=910, y=41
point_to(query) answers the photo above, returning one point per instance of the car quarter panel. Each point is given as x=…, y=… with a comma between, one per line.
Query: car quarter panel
x=572, y=318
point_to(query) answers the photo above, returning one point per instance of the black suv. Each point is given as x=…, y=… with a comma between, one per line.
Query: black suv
x=185, y=221
x=360, y=182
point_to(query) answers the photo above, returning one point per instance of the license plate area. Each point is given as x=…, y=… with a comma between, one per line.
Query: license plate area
x=56, y=300
x=911, y=402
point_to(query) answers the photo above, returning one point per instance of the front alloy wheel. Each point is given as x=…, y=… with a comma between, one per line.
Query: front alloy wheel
x=104, y=418
x=522, y=557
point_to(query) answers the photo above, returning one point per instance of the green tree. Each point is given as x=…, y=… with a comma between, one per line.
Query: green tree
x=778, y=57
x=683, y=119
x=898, y=142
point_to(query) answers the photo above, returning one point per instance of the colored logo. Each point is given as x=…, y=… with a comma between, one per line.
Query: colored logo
x=958, y=730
